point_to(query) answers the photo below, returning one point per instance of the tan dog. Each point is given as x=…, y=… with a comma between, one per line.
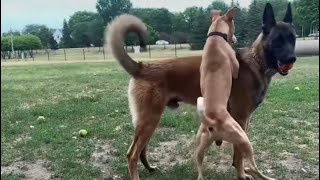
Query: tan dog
x=219, y=64
x=162, y=83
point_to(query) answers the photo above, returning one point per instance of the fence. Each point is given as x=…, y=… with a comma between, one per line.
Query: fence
x=98, y=53
x=308, y=46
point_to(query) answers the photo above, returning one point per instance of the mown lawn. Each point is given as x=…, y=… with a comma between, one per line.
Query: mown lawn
x=93, y=96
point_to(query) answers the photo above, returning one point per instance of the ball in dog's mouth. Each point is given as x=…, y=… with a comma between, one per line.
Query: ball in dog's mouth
x=283, y=69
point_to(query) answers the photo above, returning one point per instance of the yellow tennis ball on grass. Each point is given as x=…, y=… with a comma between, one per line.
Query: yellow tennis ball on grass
x=83, y=132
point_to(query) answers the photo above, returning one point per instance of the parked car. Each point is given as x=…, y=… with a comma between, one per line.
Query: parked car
x=316, y=34
x=162, y=42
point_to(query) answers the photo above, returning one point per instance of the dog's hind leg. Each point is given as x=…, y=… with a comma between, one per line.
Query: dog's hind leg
x=144, y=160
x=143, y=132
x=146, y=110
x=204, y=140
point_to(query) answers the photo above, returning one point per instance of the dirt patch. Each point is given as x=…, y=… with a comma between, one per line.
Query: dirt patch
x=102, y=158
x=222, y=160
x=181, y=150
x=171, y=153
x=297, y=168
x=28, y=170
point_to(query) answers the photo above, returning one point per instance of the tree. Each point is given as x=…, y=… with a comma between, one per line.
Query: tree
x=240, y=23
x=66, y=40
x=190, y=17
x=80, y=35
x=80, y=17
x=254, y=20
x=53, y=43
x=199, y=29
x=132, y=38
x=95, y=31
x=306, y=14
x=219, y=5
x=40, y=31
x=180, y=37
x=23, y=42
x=108, y=9
x=159, y=18
x=180, y=23
x=13, y=33
x=86, y=28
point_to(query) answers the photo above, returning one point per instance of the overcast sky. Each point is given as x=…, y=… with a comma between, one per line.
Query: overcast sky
x=18, y=13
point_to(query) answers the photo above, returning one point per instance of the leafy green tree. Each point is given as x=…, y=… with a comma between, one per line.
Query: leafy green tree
x=240, y=23
x=219, y=5
x=80, y=17
x=254, y=20
x=190, y=17
x=108, y=9
x=41, y=31
x=66, y=40
x=180, y=37
x=179, y=23
x=159, y=18
x=86, y=28
x=23, y=42
x=199, y=29
x=306, y=14
x=13, y=33
x=53, y=43
x=132, y=39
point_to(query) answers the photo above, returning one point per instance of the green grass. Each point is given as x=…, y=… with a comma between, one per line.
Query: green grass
x=71, y=98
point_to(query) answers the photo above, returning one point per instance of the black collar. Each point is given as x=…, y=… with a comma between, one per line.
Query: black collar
x=223, y=35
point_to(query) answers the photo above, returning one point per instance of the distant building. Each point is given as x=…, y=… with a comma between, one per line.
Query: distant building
x=57, y=35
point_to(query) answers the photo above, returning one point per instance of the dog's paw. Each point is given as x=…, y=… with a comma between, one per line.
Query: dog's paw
x=152, y=169
x=200, y=177
x=245, y=177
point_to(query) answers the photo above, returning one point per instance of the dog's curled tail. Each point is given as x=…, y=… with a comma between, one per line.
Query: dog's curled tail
x=115, y=36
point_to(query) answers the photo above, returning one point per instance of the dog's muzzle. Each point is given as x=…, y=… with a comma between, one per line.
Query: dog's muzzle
x=283, y=69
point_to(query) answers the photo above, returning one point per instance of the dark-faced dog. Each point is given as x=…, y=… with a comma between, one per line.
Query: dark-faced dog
x=164, y=83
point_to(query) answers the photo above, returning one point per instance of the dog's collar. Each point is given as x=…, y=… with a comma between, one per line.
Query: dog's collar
x=223, y=35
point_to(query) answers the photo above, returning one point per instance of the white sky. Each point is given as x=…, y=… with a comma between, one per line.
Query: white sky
x=18, y=13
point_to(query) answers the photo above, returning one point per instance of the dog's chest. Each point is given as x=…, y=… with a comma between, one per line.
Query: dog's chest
x=261, y=87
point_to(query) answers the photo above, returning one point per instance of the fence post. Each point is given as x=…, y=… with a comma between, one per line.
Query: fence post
x=149, y=51
x=175, y=49
x=65, y=56
x=104, y=55
x=31, y=54
x=84, y=55
x=48, y=55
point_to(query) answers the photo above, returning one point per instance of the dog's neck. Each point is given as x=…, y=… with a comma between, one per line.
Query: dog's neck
x=219, y=28
x=215, y=33
x=259, y=57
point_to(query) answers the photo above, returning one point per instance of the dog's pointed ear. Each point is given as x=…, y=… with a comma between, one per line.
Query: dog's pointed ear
x=288, y=17
x=231, y=12
x=268, y=20
x=215, y=14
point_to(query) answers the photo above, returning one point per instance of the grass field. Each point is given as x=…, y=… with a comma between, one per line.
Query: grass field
x=93, y=96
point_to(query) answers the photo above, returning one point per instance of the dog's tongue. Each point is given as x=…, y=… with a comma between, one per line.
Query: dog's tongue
x=285, y=67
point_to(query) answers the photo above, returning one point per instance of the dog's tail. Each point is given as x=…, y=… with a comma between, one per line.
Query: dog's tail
x=115, y=36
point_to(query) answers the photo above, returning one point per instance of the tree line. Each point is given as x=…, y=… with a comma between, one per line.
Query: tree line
x=85, y=29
